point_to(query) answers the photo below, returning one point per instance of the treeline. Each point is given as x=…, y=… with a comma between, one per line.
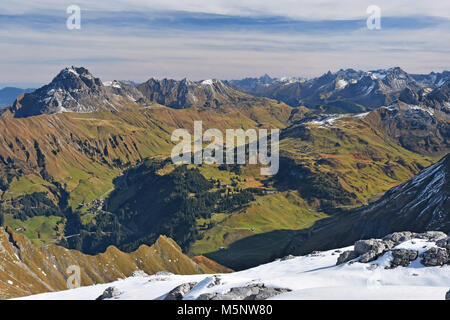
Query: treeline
x=323, y=187
x=35, y=204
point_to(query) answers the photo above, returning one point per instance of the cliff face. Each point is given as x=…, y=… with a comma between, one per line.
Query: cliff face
x=26, y=269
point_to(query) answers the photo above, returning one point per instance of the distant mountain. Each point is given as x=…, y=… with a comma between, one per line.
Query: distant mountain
x=347, y=90
x=26, y=269
x=251, y=85
x=73, y=90
x=434, y=78
x=420, y=204
x=418, y=128
x=186, y=93
x=9, y=94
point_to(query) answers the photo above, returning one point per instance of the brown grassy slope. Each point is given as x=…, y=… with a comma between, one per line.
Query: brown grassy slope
x=84, y=152
x=26, y=269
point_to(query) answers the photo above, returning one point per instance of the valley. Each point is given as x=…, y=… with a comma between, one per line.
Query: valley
x=85, y=166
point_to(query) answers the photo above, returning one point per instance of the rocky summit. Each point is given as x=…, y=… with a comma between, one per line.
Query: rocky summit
x=201, y=94
x=73, y=90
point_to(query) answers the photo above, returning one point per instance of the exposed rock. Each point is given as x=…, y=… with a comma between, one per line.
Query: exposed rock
x=109, y=293
x=435, y=257
x=447, y=295
x=251, y=292
x=215, y=282
x=289, y=257
x=74, y=90
x=185, y=94
x=365, y=246
x=403, y=257
x=346, y=256
x=179, y=292
x=371, y=249
x=399, y=237
x=431, y=235
x=444, y=243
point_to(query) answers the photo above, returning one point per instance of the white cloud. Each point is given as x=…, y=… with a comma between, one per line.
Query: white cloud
x=313, y=9
x=33, y=55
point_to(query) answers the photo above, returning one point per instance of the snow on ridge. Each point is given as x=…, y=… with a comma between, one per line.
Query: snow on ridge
x=72, y=70
x=114, y=84
x=327, y=121
x=341, y=84
x=313, y=276
x=361, y=115
x=207, y=82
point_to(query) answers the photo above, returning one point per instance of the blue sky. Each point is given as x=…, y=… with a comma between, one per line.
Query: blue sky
x=139, y=39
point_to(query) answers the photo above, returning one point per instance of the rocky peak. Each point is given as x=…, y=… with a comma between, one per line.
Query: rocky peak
x=186, y=93
x=74, y=89
x=73, y=78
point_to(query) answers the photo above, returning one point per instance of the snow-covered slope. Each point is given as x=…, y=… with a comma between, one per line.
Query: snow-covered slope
x=315, y=276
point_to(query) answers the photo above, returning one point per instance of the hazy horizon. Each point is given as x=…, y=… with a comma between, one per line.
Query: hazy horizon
x=38, y=85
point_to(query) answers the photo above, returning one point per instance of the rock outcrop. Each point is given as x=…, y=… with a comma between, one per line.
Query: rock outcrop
x=435, y=257
x=369, y=250
x=251, y=292
x=109, y=293
x=180, y=291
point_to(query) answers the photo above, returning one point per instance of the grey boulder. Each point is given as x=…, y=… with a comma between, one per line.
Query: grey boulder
x=251, y=292
x=346, y=256
x=109, y=293
x=444, y=243
x=435, y=257
x=403, y=257
x=371, y=249
x=179, y=292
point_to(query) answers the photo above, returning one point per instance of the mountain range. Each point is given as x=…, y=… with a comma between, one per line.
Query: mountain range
x=351, y=90
x=85, y=165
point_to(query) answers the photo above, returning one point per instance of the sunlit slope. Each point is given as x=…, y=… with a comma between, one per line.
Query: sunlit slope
x=85, y=152
x=26, y=269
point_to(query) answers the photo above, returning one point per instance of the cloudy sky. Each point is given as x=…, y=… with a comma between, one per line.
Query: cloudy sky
x=225, y=39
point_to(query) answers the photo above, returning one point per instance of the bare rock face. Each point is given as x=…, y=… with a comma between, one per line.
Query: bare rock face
x=179, y=292
x=74, y=90
x=109, y=293
x=447, y=296
x=403, y=257
x=183, y=94
x=371, y=249
x=346, y=256
x=431, y=235
x=289, y=257
x=251, y=292
x=399, y=237
x=444, y=243
x=435, y=257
